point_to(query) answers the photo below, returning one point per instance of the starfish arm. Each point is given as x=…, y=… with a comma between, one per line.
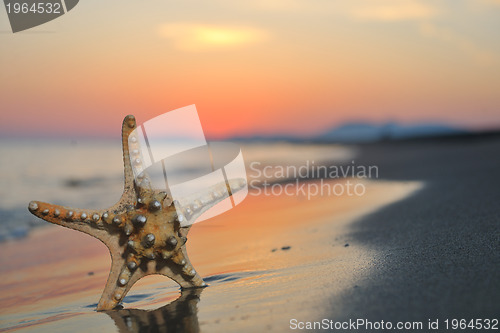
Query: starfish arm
x=129, y=193
x=122, y=277
x=193, y=206
x=133, y=188
x=87, y=221
x=179, y=269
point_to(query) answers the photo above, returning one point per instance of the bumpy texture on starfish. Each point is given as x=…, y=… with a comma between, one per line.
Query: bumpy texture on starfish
x=142, y=231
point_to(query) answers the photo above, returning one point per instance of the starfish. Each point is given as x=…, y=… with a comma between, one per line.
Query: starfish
x=143, y=231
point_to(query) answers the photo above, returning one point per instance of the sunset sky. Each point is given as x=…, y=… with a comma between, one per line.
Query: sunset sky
x=253, y=66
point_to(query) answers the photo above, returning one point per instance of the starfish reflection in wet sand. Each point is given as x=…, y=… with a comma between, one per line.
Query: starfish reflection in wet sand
x=142, y=231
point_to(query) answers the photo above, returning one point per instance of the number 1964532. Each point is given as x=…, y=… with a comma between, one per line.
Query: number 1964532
x=35, y=8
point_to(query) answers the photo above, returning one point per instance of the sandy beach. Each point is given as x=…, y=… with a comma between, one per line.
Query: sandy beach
x=420, y=244
x=439, y=249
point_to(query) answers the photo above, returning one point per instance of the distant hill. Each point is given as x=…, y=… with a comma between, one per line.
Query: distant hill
x=358, y=132
x=367, y=132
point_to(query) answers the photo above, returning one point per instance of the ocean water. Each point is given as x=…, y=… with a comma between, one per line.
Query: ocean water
x=89, y=174
x=86, y=174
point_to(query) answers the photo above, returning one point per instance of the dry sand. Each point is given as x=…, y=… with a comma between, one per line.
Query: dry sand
x=51, y=281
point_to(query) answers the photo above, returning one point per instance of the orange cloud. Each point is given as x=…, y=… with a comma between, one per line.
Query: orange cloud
x=201, y=37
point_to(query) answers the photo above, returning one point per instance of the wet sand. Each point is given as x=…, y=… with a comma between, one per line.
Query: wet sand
x=438, y=250
x=267, y=261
